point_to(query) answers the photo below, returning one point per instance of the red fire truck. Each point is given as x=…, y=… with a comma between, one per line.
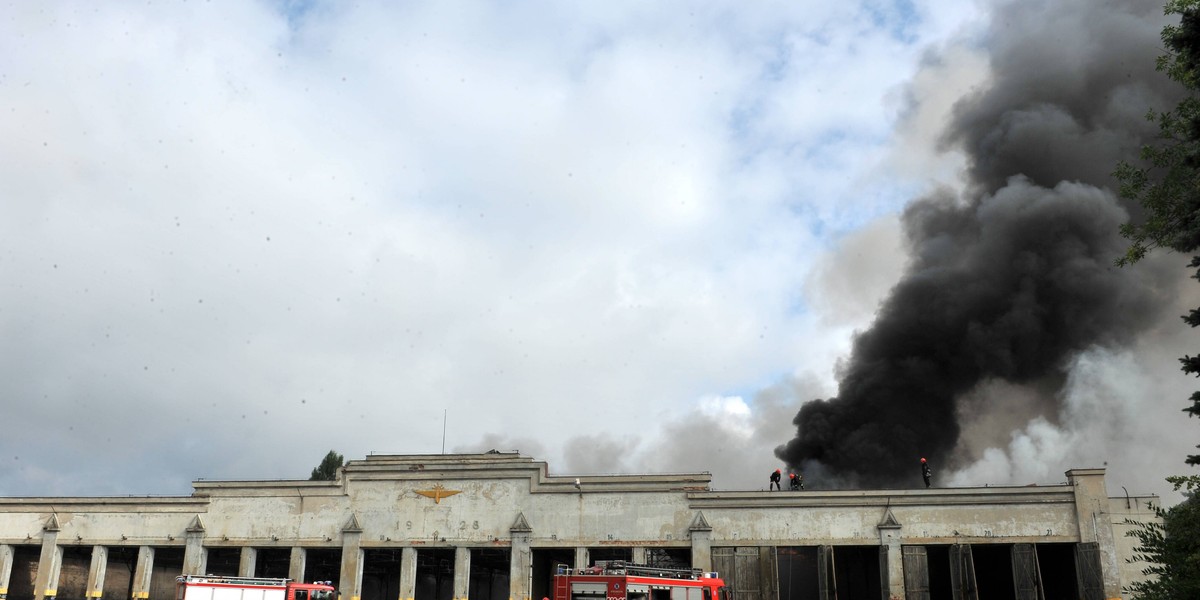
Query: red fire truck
x=618, y=580
x=214, y=587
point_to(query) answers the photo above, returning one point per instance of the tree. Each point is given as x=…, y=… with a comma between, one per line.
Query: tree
x=327, y=470
x=1167, y=183
x=1170, y=548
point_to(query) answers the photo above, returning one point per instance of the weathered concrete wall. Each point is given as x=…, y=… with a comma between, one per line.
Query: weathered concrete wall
x=1139, y=509
x=124, y=521
x=965, y=515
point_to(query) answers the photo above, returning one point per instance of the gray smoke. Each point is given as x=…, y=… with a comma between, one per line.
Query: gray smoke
x=1011, y=278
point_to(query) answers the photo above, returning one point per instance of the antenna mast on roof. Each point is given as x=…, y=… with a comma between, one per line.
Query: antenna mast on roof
x=443, y=431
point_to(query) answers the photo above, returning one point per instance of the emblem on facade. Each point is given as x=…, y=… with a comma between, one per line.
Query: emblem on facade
x=437, y=493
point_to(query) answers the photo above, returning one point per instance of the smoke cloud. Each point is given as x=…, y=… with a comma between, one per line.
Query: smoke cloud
x=1011, y=282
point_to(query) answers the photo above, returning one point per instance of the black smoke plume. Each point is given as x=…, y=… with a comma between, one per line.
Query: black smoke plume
x=1013, y=276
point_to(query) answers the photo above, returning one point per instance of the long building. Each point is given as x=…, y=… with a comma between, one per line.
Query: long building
x=496, y=526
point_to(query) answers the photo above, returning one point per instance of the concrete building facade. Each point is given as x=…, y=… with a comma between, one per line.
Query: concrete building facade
x=496, y=526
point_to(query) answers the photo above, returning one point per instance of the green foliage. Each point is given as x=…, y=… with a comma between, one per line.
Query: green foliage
x=1171, y=549
x=1166, y=184
x=1167, y=181
x=327, y=470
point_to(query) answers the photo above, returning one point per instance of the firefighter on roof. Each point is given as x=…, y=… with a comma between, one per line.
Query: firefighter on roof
x=775, y=477
x=795, y=482
x=926, y=473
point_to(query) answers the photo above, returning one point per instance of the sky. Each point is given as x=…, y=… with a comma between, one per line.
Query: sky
x=619, y=237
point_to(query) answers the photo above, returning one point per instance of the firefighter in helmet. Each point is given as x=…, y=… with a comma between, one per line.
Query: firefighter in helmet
x=775, y=477
x=795, y=481
x=926, y=473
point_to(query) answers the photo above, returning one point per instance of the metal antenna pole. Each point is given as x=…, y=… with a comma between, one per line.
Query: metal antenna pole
x=443, y=431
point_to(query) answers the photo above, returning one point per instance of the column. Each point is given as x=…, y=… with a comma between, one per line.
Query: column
x=296, y=566
x=350, y=581
x=248, y=562
x=49, y=566
x=891, y=560
x=95, y=582
x=6, y=563
x=520, y=574
x=408, y=573
x=462, y=573
x=143, y=572
x=581, y=558
x=638, y=555
x=195, y=555
x=701, y=533
x=1095, y=523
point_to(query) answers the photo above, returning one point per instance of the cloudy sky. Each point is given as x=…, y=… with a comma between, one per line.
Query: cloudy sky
x=618, y=237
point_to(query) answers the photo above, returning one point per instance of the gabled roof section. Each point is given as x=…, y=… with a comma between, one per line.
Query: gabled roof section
x=520, y=525
x=196, y=526
x=889, y=520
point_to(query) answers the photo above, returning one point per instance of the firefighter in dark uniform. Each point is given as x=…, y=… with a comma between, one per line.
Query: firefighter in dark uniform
x=775, y=477
x=795, y=482
x=926, y=473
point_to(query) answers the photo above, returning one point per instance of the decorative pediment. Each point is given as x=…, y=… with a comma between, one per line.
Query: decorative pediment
x=520, y=525
x=889, y=520
x=699, y=523
x=352, y=525
x=51, y=523
x=196, y=526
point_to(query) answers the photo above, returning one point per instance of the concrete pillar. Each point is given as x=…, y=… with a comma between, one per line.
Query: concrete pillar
x=195, y=555
x=520, y=573
x=99, y=566
x=638, y=555
x=49, y=566
x=350, y=578
x=248, y=562
x=581, y=558
x=1095, y=523
x=893, y=571
x=143, y=572
x=6, y=563
x=296, y=566
x=408, y=573
x=462, y=573
x=701, y=533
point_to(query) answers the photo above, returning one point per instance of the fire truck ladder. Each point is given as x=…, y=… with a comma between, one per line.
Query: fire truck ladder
x=619, y=567
x=562, y=587
x=221, y=579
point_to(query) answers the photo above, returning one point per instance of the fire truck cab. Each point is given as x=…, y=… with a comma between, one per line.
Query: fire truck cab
x=618, y=580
